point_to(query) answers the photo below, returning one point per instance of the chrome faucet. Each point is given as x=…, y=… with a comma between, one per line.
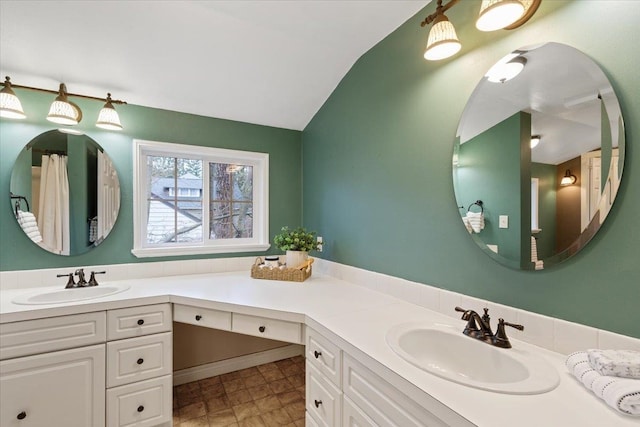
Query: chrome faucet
x=479, y=327
x=82, y=282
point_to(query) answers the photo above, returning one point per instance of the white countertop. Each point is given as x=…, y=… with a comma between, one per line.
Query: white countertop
x=360, y=318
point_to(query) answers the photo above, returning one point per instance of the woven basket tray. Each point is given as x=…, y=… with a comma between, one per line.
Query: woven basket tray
x=298, y=274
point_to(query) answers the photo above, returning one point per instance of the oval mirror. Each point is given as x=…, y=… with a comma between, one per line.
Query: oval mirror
x=65, y=192
x=538, y=156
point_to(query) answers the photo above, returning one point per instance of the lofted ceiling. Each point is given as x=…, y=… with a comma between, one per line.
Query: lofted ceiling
x=266, y=62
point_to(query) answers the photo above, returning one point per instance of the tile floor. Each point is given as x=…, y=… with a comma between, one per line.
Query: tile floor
x=267, y=395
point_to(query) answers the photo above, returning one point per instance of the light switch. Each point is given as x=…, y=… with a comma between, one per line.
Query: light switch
x=503, y=221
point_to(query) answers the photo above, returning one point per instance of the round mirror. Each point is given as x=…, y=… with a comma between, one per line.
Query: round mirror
x=538, y=156
x=65, y=192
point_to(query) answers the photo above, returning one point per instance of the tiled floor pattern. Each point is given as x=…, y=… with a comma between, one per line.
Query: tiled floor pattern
x=267, y=395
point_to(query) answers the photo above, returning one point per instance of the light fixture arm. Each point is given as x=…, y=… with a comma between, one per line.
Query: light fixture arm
x=440, y=10
x=63, y=88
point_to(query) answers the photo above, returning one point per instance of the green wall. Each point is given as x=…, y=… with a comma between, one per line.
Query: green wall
x=377, y=166
x=488, y=169
x=17, y=252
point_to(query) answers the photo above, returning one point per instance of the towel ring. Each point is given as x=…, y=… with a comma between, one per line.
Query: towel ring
x=476, y=203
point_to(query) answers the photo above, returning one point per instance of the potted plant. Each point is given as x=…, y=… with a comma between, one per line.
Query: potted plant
x=296, y=243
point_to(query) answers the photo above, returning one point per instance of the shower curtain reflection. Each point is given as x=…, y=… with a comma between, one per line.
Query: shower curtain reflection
x=53, y=206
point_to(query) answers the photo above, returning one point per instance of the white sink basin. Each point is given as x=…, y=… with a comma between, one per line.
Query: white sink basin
x=69, y=295
x=447, y=353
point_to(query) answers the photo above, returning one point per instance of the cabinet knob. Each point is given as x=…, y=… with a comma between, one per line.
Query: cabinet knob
x=262, y=328
x=140, y=322
x=140, y=408
x=317, y=353
x=140, y=361
x=317, y=403
x=198, y=317
x=22, y=415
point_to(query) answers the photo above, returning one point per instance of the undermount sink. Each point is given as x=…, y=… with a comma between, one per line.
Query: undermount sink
x=69, y=295
x=447, y=353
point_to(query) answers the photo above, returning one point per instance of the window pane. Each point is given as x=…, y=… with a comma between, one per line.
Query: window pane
x=231, y=211
x=172, y=217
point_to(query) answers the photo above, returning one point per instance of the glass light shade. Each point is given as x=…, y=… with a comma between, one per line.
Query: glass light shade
x=62, y=112
x=10, y=106
x=108, y=119
x=442, y=41
x=535, y=140
x=497, y=14
x=504, y=71
x=568, y=178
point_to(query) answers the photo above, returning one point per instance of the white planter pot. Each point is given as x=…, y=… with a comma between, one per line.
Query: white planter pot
x=295, y=258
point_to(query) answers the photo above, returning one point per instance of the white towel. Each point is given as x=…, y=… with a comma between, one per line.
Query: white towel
x=29, y=225
x=616, y=363
x=622, y=394
x=467, y=225
x=539, y=264
x=476, y=220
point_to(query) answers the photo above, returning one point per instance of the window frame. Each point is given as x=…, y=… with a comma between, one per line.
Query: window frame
x=260, y=164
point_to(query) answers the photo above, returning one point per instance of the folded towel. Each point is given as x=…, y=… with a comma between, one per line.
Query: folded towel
x=476, y=219
x=29, y=225
x=622, y=394
x=467, y=225
x=616, y=363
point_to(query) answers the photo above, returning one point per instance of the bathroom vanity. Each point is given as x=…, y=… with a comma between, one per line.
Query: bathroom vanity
x=108, y=360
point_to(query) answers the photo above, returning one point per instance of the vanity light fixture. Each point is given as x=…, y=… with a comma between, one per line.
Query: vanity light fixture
x=535, y=140
x=10, y=106
x=494, y=15
x=568, y=178
x=62, y=110
x=506, y=69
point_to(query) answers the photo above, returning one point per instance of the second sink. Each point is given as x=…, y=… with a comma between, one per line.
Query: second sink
x=69, y=295
x=447, y=353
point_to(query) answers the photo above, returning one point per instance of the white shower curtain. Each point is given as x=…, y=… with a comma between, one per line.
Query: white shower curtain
x=53, y=212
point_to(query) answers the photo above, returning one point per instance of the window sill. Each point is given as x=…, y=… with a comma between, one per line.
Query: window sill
x=197, y=250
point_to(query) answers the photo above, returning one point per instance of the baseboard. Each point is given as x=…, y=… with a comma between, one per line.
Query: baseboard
x=196, y=373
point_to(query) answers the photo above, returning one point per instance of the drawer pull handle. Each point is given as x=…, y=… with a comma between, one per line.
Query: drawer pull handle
x=198, y=317
x=22, y=415
x=317, y=353
x=262, y=329
x=140, y=361
x=140, y=408
x=140, y=322
x=317, y=403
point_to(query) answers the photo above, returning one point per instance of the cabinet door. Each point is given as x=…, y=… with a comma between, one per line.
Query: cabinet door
x=64, y=388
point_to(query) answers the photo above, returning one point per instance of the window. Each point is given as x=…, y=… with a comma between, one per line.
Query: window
x=198, y=200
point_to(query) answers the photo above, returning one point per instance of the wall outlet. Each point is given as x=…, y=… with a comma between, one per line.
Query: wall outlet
x=503, y=221
x=319, y=240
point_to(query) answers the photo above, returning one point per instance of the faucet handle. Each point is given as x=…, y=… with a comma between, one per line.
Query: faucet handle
x=70, y=282
x=92, y=278
x=460, y=309
x=500, y=339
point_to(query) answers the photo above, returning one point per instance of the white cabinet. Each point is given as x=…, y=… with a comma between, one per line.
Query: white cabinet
x=274, y=329
x=63, y=388
x=139, y=369
x=206, y=317
x=324, y=399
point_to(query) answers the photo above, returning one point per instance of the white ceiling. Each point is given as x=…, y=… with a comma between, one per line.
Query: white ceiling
x=266, y=62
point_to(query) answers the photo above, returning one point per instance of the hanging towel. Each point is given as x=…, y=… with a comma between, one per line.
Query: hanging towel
x=467, y=225
x=476, y=220
x=28, y=223
x=622, y=394
x=615, y=363
x=93, y=229
x=539, y=265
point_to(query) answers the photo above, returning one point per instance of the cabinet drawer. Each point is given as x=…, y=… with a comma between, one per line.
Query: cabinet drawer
x=136, y=359
x=380, y=401
x=325, y=356
x=309, y=421
x=352, y=416
x=55, y=333
x=62, y=388
x=137, y=321
x=280, y=330
x=324, y=400
x=145, y=403
x=206, y=317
